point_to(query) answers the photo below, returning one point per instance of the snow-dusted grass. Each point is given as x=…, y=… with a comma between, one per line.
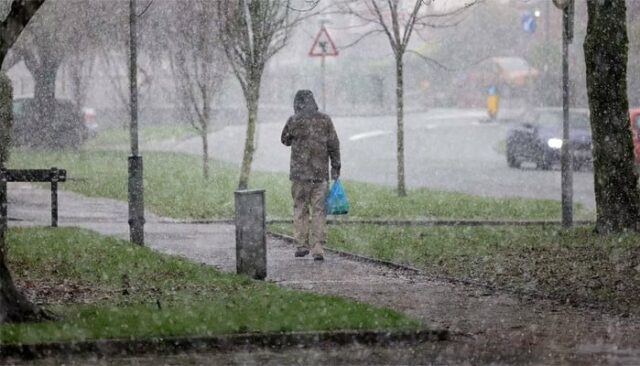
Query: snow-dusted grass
x=114, y=137
x=174, y=187
x=103, y=287
x=574, y=265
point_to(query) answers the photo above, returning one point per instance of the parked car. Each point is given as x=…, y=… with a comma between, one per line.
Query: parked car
x=65, y=128
x=538, y=139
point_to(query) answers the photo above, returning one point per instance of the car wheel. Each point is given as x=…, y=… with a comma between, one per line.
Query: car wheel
x=512, y=160
x=543, y=163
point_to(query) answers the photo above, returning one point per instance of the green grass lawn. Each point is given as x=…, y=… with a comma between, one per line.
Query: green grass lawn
x=174, y=187
x=102, y=287
x=114, y=137
x=575, y=264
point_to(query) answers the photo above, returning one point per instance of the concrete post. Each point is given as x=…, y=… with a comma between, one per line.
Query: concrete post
x=251, y=243
x=54, y=197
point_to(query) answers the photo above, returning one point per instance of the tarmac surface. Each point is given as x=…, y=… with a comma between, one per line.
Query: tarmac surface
x=487, y=327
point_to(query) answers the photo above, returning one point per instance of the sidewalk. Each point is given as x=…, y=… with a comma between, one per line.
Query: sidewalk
x=485, y=324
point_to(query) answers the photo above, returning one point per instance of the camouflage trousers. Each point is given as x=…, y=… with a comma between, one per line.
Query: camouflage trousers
x=309, y=219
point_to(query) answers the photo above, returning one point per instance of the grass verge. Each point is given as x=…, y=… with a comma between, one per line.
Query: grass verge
x=575, y=265
x=107, y=288
x=174, y=187
x=112, y=137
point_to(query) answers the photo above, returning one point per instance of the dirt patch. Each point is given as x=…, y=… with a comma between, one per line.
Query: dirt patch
x=587, y=276
x=51, y=292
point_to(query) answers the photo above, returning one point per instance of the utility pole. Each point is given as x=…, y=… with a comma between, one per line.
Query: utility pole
x=324, y=84
x=547, y=20
x=135, y=185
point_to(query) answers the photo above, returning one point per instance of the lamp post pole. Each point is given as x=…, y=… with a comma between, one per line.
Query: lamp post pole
x=566, y=156
x=135, y=184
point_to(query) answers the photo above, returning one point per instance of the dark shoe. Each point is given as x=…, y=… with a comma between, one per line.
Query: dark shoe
x=318, y=257
x=301, y=252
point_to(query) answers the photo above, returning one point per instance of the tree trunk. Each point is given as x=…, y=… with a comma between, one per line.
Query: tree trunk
x=615, y=179
x=204, y=124
x=14, y=307
x=44, y=71
x=400, y=125
x=205, y=152
x=6, y=117
x=45, y=87
x=253, y=96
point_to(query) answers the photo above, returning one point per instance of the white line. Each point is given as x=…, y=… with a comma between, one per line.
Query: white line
x=369, y=134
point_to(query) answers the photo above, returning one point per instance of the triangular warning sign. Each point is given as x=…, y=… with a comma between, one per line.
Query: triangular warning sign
x=323, y=44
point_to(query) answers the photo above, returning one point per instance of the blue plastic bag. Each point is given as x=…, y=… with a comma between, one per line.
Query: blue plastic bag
x=337, y=202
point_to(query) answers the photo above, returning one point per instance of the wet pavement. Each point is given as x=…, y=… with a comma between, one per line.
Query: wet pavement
x=487, y=327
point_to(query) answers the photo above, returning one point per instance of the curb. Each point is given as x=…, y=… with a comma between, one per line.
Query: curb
x=435, y=222
x=220, y=343
x=395, y=222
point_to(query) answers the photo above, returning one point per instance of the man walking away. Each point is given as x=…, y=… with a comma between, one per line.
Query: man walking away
x=314, y=143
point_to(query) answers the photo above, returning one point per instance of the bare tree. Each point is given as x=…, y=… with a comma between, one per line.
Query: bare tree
x=615, y=179
x=252, y=31
x=114, y=63
x=80, y=69
x=397, y=20
x=113, y=55
x=81, y=59
x=48, y=41
x=198, y=66
x=14, y=306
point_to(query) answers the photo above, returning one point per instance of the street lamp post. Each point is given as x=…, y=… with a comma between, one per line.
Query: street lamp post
x=566, y=158
x=135, y=184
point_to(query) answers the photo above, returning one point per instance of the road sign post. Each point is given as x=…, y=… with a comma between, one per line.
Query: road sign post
x=323, y=46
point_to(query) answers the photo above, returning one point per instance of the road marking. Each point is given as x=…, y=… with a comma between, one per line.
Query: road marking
x=369, y=134
x=480, y=123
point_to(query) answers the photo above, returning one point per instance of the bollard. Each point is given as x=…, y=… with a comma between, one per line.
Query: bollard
x=251, y=244
x=54, y=197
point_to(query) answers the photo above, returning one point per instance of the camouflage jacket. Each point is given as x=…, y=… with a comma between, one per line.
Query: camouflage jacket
x=313, y=141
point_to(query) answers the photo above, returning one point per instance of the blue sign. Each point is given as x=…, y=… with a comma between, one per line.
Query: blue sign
x=528, y=23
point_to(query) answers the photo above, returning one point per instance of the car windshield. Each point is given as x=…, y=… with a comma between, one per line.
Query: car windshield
x=554, y=119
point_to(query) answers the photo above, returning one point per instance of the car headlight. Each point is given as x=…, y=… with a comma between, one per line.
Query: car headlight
x=554, y=143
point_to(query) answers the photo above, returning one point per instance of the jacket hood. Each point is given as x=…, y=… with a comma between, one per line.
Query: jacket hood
x=304, y=102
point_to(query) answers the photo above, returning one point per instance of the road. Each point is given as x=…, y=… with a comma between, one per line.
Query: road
x=451, y=150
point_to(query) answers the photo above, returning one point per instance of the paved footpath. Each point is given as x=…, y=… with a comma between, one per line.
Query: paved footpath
x=487, y=326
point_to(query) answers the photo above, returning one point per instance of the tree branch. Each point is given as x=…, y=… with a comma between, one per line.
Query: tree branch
x=10, y=28
x=360, y=38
